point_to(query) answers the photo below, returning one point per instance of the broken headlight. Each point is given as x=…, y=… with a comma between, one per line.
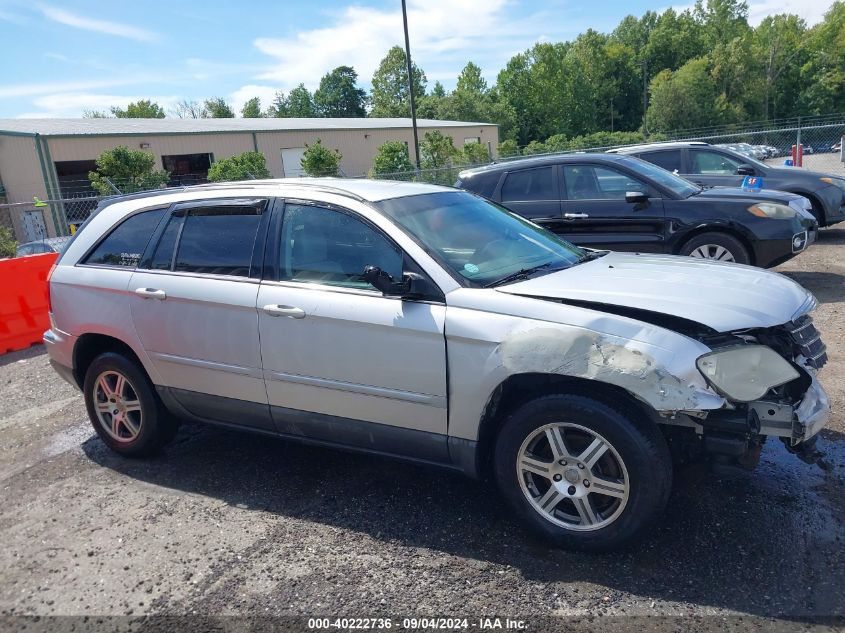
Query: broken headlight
x=745, y=373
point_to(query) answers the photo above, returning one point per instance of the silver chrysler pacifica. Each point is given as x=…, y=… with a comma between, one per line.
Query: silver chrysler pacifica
x=429, y=324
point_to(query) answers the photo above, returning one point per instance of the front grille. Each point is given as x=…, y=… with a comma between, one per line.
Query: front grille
x=806, y=338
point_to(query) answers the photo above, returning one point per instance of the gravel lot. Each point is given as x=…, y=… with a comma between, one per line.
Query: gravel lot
x=227, y=523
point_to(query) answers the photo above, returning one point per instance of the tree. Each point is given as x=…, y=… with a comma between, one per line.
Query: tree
x=252, y=109
x=508, y=148
x=474, y=154
x=391, y=158
x=390, y=85
x=278, y=109
x=683, y=99
x=217, y=108
x=823, y=75
x=129, y=171
x=143, y=109
x=246, y=166
x=8, y=245
x=95, y=114
x=300, y=103
x=318, y=160
x=471, y=81
x=187, y=109
x=339, y=95
x=436, y=150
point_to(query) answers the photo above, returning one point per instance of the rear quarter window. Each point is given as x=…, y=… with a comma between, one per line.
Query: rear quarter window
x=127, y=241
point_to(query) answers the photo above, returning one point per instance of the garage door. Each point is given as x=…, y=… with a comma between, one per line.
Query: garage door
x=292, y=162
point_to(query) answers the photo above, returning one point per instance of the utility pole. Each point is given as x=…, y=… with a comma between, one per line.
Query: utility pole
x=411, y=85
x=644, y=64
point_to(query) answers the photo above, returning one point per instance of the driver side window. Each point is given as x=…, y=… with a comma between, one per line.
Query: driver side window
x=330, y=247
x=712, y=163
x=586, y=182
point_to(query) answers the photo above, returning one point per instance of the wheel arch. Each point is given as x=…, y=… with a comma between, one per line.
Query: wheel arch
x=91, y=345
x=517, y=389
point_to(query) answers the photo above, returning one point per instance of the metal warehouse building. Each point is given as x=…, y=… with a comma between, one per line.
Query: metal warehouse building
x=50, y=158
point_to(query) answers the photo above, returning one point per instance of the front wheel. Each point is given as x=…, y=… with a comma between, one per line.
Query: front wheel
x=581, y=473
x=720, y=247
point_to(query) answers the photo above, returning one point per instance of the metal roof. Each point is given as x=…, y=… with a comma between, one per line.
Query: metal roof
x=150, y=127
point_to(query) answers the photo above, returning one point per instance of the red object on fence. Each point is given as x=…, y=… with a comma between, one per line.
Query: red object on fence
x=24, y=300
x=798, y=155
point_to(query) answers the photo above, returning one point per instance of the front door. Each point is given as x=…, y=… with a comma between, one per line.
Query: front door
x=343, y=363
x=596, y=215
x=193, y=304
x=533, y=193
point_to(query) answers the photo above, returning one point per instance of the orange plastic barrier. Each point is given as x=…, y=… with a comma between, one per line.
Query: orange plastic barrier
x=24, y=300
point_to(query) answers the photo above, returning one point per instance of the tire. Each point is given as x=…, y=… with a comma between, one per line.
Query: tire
x=142, y=425
x=716, y=246
x=624, y=489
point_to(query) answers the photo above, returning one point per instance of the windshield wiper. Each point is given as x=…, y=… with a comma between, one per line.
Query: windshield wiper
x=590, y=256
x=523, y=273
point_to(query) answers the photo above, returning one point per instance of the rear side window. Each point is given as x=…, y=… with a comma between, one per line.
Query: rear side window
x=529, y=184
x=126, y=243
x=669, y=159
x=215, y=240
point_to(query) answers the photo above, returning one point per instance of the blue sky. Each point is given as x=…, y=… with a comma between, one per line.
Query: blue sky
x=64, y=56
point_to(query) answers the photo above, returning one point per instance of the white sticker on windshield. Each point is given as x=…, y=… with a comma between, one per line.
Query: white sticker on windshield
x=471, y=268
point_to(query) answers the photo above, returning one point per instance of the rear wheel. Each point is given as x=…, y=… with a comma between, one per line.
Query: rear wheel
x=716, y=246
x=581, y=473
x=123, y=407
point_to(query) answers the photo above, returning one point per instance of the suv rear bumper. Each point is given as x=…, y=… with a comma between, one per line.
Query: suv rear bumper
x=60, y=349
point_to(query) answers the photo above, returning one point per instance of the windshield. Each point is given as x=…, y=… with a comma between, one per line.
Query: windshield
x=679, y=186
x=477, y=240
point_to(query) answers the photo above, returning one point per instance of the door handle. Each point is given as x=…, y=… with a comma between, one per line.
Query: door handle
x=151, y=293
x=285, y=311
x=574, y=216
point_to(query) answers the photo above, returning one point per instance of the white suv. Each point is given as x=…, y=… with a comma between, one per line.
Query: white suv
x=427, y=323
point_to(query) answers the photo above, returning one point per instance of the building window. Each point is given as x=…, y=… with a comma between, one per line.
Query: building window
x=187, y=169
x=472, y=139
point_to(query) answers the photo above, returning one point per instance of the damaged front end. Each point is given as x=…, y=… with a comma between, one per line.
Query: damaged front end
x=794, y=407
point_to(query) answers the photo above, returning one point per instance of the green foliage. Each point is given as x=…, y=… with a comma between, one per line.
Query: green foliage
x=339, y=94
x=391, y=158
x=318, y=160
x=436, y=150
x=129, y=170
x=245, y=166
x=474, y=154
x=188, y=109
x=301, y=103
x=685, y=98
x=390, y=85
x=95, y=114
x=143, y=109
x=8, y=245
x=217, y=108
x=252, y=109
x=507, y=148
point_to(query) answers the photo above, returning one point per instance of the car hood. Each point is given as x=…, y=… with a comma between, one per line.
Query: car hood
x=724, y=297
x=722, y=193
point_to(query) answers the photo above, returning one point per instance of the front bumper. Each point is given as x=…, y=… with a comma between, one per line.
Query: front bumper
x=798, y=423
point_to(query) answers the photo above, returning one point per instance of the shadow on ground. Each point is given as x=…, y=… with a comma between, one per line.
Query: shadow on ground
x=769, y=542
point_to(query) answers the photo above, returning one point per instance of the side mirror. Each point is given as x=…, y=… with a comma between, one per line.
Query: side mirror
x=745, y=170
x=636, y=197
x=384, y=282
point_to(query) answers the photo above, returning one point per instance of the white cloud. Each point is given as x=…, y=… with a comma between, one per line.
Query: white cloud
x=40, y=88
x=99, y=26
x=245, y=93
x=812, y=11
x=73, y=104
x=444, y=34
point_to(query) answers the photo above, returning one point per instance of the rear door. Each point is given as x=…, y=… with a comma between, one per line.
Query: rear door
x=596, y=215
x=193, y=304
x=533, y=193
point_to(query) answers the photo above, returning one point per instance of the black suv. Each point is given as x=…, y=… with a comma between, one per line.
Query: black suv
x=623, y=203
x=708, y=166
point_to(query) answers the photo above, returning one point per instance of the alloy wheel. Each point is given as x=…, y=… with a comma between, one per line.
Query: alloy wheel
x=713, y=251
x=573, y=476
x=118, y=406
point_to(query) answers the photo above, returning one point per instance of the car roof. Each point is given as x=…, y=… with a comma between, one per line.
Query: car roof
x=364, y=190
x=631, y=149
x=534, y=161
